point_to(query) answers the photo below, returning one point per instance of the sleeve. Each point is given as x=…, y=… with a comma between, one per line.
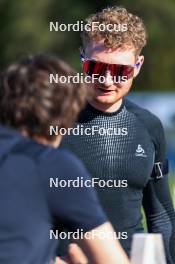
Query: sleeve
x=74, y=203
x=157, y=203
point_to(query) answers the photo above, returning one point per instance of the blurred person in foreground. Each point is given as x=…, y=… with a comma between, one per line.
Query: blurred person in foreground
x=128, y=153
x=29, y=207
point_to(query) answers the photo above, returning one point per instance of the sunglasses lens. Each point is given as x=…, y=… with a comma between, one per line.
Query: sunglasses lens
x=91, y=67
x=117, y=70
x=128, y=71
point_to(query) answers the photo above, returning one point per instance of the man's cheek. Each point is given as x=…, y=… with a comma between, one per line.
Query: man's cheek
x=126, y=85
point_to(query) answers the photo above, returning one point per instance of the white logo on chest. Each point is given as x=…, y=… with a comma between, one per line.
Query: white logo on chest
x=140, y=152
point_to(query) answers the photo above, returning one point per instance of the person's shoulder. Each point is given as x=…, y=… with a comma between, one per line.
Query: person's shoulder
x=150, y=120
x=140, y=111
x=62, y=155
x=153, y=125
x=50, y=158
x=62, y=161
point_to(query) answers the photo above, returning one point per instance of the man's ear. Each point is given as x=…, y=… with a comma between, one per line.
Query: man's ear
x=138, y=65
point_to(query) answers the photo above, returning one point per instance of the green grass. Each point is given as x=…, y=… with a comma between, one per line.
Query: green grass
x=172, y=188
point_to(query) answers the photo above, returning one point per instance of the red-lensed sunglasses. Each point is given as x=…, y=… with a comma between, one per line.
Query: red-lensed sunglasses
x=93, y=67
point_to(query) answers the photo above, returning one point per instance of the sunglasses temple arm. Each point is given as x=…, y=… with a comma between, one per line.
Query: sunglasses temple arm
x=82, y=57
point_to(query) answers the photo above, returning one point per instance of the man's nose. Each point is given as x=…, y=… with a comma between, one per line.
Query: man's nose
x=108, y=79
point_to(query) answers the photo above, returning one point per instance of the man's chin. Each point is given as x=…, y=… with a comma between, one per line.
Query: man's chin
x=106, y=101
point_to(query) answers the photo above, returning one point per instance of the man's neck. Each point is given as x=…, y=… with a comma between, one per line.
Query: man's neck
x=106, y=107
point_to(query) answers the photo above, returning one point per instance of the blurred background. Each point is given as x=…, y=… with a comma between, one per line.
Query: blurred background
x=24, y=29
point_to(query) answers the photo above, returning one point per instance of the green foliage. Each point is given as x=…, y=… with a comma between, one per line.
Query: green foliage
x=172, y=188
x=25, y=29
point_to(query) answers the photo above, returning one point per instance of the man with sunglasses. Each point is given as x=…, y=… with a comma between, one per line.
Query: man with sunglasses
x=136, y=157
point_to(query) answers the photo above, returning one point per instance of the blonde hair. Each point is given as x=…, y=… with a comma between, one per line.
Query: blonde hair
x=135, y=36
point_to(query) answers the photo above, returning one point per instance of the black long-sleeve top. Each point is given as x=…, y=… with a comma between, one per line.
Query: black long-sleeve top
x=132, y=153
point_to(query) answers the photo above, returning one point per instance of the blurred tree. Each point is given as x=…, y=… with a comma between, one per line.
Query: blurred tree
x=25, y=29
x=159, y=17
